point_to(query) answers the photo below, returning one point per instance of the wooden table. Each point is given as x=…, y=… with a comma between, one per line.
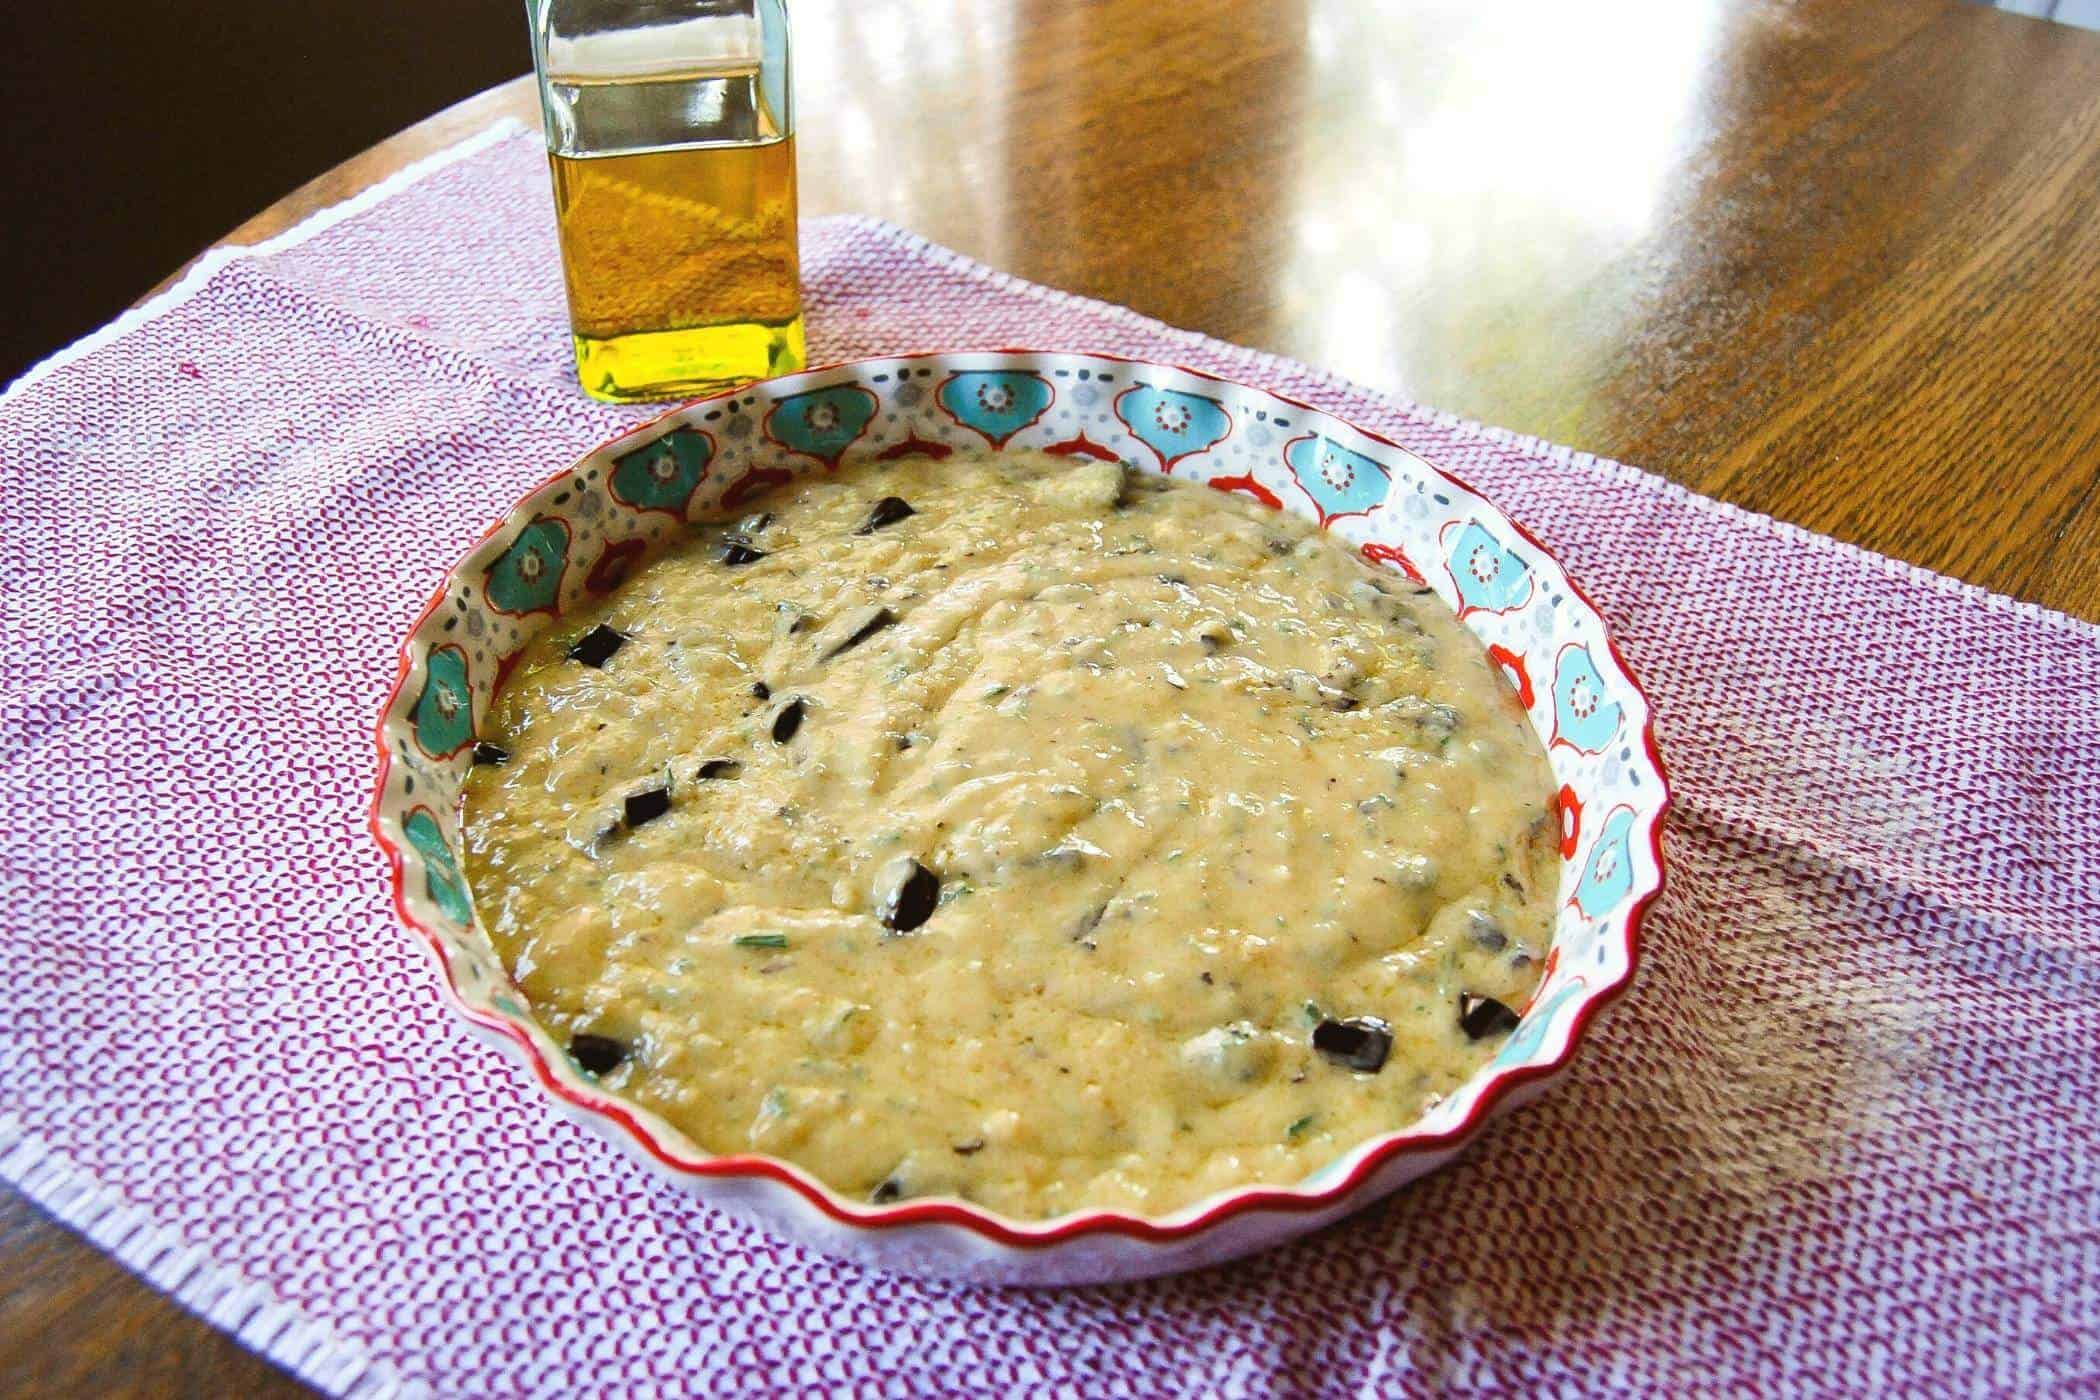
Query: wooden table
x=1837, y=260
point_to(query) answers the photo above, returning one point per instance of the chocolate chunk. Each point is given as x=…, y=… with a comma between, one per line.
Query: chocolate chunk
x=888, y=1191
x=718, y=768
x=870, y=622
x=970, y=1148
x=596, y=647
x=761, y=690
x=910, y=902
x=596, y=1054
x=1485, y=931
x=1481, y=1017
x=753, y=523
x=787, y=721
x=485, y=752
x=1360, y=1043
x=887, y=511
x=736, y=551
x=642, y=807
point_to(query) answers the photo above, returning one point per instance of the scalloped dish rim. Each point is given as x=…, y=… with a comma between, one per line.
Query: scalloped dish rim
x=665, y=1148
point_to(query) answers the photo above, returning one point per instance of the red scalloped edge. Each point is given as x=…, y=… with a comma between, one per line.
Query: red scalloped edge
x=990, y=1225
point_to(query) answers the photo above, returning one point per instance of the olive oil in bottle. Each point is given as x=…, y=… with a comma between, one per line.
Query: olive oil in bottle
x=673, y=156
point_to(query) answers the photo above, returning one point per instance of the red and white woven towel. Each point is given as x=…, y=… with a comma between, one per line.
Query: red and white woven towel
x=1844, y=1134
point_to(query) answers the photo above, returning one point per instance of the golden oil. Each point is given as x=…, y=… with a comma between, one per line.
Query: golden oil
x=671, y=137
x=681, y=267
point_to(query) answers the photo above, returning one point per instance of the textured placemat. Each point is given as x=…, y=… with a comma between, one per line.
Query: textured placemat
x=1842, y=1135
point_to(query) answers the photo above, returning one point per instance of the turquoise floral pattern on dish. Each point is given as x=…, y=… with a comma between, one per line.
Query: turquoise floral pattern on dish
x=1608, y=874
x=1583, y=719
x=662, y=475
x=580, y=534
x=822, y=423
x=526, y=577
x=1525, y=1040
x=1172, y=424
x=1489, y=577
x=995, y=404
x=1337, y=481
x=444, y=712
x=447, y=890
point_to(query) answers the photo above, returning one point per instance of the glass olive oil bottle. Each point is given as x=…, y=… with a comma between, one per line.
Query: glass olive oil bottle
x=670, y=130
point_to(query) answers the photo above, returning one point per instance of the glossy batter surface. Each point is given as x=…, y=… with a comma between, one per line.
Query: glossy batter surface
x=1073, y=839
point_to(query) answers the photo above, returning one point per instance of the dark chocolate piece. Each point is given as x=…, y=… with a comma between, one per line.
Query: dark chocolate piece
x=596, y=1054
x=486, y=753
x=888, y=1191
x=787, y=721
x=970, y=1148
x=1481, y=1017
x=877, y=620
x=596, y=647
x=1360, y=1043
x=642, y=807
x=737, y=551
x=761, y=690
x=887, y=511
x=753, y=523
x=914, y=901
x=718, y=768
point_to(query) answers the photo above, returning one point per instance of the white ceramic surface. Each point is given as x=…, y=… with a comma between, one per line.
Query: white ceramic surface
x=581, y=532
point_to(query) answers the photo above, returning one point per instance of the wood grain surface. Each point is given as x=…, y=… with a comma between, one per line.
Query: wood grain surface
x=1836, y=260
